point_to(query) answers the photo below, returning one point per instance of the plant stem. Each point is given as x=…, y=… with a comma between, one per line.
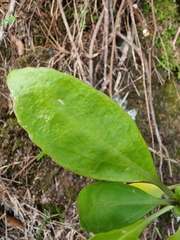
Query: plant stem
x=166, y=190
x=160, y=212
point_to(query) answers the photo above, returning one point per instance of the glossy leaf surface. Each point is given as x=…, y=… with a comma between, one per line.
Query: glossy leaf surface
x=131, y=232
x=79, y=127
x=104, y=206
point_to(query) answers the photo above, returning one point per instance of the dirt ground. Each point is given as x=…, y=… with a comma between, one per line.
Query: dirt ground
x=112, y=53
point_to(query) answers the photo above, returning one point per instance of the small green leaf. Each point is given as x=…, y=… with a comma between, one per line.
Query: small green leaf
x=133, y=231
x=40, y=155
x=79, y=127
x=104, y=206
x=177, y=210
x=10, y=19
x=175, y=236
x=177, y=192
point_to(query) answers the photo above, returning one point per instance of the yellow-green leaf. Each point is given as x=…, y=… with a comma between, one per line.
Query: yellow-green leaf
x=149, y=188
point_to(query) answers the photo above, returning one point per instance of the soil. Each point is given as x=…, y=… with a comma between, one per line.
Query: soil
x=41, y=189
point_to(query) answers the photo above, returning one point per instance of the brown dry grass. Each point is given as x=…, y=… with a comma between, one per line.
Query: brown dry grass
x=106, y=49
x=21, y=220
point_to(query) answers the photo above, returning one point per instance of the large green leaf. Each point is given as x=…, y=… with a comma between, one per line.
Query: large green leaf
x=104, y=206
x=133, y=231
x=79, y=127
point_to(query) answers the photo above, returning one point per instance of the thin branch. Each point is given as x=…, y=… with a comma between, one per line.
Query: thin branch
x=106, y=35
x=161, y=146
x=72, y=42
x=116, y=25
x=91, y=47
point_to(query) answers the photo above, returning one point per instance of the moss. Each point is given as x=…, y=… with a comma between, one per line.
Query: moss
x=5, y=51
x=167, y=108
x=167, y=17
x=146, y=7
x=167, y=20
x=165, y=10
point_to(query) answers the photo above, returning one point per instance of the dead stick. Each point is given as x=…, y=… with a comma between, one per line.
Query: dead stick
x=72, y=41
x=91, y=47
x=113, y=46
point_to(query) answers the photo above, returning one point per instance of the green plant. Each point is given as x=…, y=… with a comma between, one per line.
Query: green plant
x=168, y=20
x=48, y=219
x=10, y=19
x=81, y=16
x=41, y=155
x=167, y=59
x=146, y=8
x=87, y=133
